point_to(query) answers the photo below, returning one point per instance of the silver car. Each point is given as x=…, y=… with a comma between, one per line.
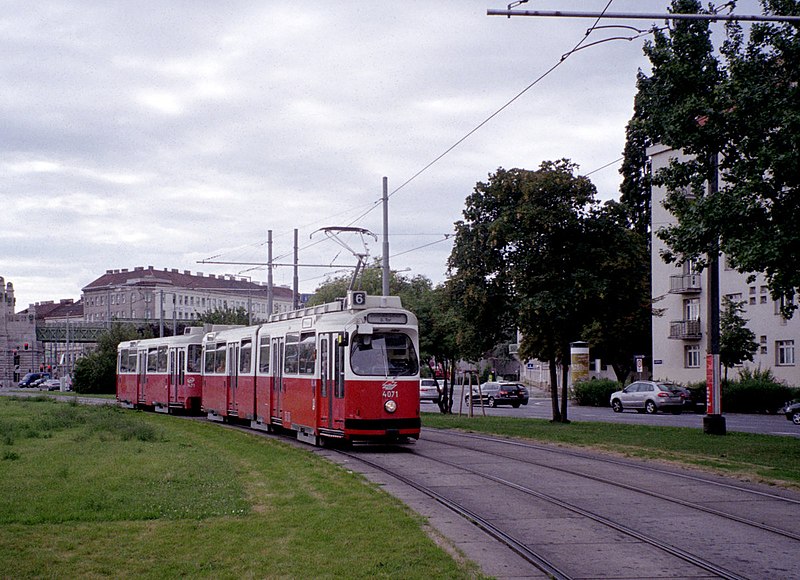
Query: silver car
x=647, y=397
x=428, y=391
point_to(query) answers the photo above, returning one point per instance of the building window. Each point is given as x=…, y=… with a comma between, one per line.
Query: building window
x=764, y=297
x=691, y=309
x=763, y=343
x=691, y=358
x=784, y=353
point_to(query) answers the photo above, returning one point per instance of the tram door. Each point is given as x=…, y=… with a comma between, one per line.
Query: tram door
x=233, y=378
x=331, y=393
x=141, y=383
x=177, y=364
x=276, y=399
x=325, y=398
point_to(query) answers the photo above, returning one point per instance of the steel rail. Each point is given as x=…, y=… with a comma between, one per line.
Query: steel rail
x=560, y=451
x=725, y=515
x=654, y=542
x=514, y=544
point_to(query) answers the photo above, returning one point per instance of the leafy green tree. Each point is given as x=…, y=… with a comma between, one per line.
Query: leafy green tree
x=745, y=115
x=521, y=258
x=96, y=372
x=621, y=326
x=237, y=316
x=737, y=342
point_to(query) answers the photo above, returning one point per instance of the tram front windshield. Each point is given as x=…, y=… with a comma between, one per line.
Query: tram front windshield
x=383, y=354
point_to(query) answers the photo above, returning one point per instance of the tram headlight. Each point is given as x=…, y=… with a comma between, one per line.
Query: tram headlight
x=390, y=406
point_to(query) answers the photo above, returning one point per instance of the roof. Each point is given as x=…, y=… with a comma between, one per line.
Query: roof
x=151, y=277
x=66, y=308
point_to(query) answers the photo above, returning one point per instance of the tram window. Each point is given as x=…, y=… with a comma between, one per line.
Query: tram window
x=291, y=360
x=162, y=359
x=132, y=358
x=195, y=353
x=263, y=355
x=307, y=353
x=122, y=367
x=209, y=363
x=245, y=356
x=384, y=354
x=152, y=360
x=219, y=358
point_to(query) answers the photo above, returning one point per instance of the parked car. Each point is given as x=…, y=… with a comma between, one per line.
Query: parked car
x=493, y=394
x=523, y=390
x=51, y=385
x=428, y=391
x=647, y=397
x=685, y=394
x=792, y=412
x=30, y=379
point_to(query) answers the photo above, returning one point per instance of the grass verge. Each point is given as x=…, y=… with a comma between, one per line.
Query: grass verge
x=99, y=492
x=765, y=458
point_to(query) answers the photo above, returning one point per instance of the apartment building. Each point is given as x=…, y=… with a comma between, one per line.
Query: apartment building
x=156, y=296
x=679, y=334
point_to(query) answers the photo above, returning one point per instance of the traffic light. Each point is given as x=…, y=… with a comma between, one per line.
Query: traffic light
x=25, y=346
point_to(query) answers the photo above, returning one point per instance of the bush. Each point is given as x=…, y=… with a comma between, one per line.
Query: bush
x=755, y=392
x=595, y=393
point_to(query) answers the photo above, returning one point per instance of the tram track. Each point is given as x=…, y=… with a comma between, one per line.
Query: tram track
x=519, y=547
x=539, y=560
x=677, y=500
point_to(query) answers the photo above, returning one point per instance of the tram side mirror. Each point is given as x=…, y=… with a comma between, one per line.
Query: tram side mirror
x=343, y=340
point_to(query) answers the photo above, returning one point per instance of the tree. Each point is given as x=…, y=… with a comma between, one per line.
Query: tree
x=737, y=342
x=97, y=371
x=621, y=328
x=226, y=315
x=521, y=258
x=746, y=114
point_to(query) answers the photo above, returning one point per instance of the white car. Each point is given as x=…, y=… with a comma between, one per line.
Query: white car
x=428, y=391
x=51, y=385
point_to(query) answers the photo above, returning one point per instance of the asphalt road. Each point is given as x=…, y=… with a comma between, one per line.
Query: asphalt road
x=541, y=408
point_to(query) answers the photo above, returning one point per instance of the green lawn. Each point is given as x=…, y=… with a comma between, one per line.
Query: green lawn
x=766, y=458
x=101, y=492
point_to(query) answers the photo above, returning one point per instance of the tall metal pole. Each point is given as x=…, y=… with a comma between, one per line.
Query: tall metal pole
x=296, y=284
x=385, y=286
x=269, y=273
x=713, y=422
x=161, y=314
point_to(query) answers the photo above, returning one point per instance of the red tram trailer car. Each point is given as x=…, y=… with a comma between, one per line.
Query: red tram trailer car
x=161, y=373
x=347, y=370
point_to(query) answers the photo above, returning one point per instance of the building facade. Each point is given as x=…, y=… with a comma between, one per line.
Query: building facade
x=18, y=348
x=680, y=335
x=172, y=296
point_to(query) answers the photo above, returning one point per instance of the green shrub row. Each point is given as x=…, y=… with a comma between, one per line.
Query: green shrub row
x=595, y=393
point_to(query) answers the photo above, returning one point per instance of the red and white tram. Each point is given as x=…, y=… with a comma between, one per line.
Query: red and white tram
x=161, y=373
x=348, y=370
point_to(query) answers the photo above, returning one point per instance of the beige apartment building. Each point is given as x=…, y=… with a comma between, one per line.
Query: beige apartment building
x=679, y=334
x=163, y=296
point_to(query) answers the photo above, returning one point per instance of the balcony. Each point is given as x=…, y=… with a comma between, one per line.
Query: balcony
x=685, y=329
x=684, y=284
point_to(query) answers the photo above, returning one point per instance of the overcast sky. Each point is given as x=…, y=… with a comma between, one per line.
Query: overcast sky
x=163, y=133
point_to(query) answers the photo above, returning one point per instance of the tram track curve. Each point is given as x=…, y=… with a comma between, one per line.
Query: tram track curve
x=726, y=515
x=713, y=563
